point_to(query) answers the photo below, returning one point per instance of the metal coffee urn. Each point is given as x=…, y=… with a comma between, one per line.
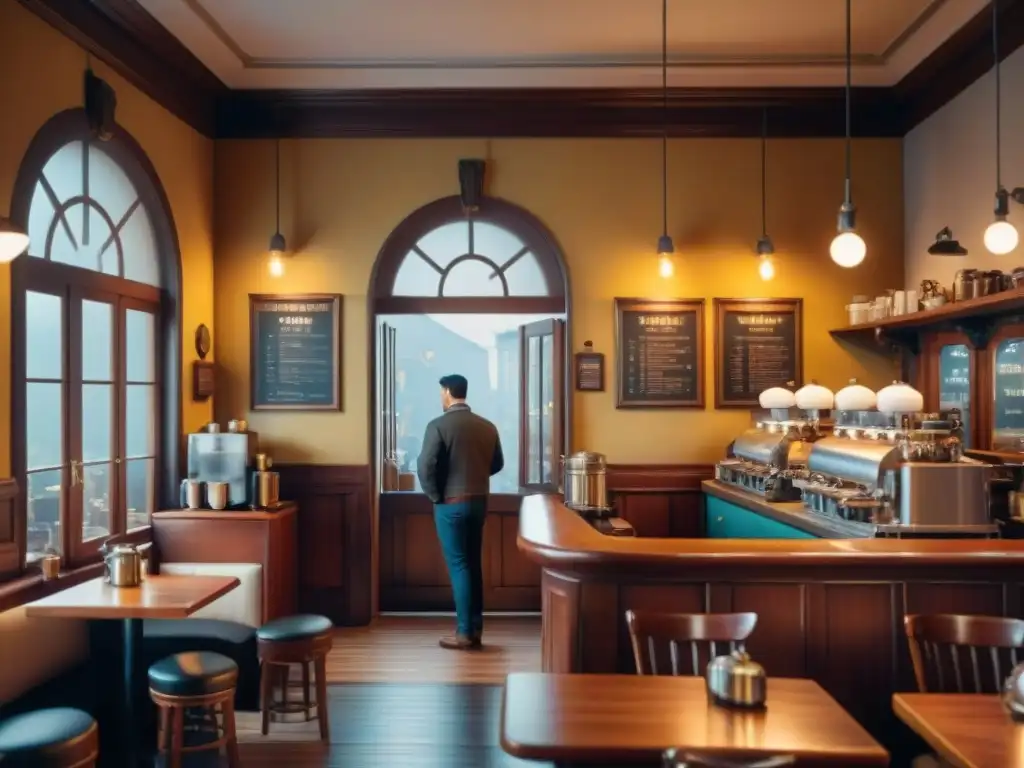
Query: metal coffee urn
x=585, y=482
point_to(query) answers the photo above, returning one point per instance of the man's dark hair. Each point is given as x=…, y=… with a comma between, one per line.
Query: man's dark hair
x=456, y=385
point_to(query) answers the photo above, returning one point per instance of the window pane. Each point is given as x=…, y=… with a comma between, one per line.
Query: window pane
x=446, y=243
x=97, y=341
x=97, y=421
x=96, y=500
x=1008, y=434
x=473, y=278
x=139, y=420
x=43, y=501
x=524, y=277
x=140, y=345
x=955, y=383
x=416, y=277
x=44, y=425
x=109, y=185
x=43, y=336
x=63, y=171
x=70, y=244
x=533, y=414
x=141, y=257
x=40, y=214
x=141, y=479
x=496, y=243
x=547, y=404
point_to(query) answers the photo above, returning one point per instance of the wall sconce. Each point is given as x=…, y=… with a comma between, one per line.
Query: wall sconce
x=945, y=245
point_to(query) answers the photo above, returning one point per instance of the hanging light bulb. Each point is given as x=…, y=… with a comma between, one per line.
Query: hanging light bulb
x=848, y=248
x=13, y=241
x=277, y=255
x=1001, y=237
x=765, y=247
x=666, y=267
x=766, y=268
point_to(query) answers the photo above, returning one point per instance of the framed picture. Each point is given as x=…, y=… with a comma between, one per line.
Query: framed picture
x=295, y=352
x=758, y=344
x=659, y=353
x=589, y=371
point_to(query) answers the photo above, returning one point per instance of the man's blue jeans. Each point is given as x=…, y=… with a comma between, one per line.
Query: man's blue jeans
x=460, y=529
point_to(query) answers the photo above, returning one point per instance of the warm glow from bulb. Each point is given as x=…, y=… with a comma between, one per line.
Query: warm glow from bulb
x=12, y=245
x=1001, y=237
x=665, y=266
x=276, y=265
x=848, y=249
x=766, y=269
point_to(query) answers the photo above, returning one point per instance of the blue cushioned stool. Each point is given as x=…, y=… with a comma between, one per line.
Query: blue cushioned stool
x=49, y=738
x=202, y=681
x=303, y=640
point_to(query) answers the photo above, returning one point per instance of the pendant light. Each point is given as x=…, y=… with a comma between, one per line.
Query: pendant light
x=765, y=247
x=848, y=248
x=13, y=241
x=1001, y=236
x=278, y=248
x=665, y=247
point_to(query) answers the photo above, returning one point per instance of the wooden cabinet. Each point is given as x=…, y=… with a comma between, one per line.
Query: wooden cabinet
x=727, y=521
x=208, y=536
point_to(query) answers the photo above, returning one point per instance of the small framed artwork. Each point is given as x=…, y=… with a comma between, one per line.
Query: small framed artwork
x=589, y=370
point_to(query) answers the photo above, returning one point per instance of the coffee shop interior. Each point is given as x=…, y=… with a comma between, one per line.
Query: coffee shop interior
x=738, y=283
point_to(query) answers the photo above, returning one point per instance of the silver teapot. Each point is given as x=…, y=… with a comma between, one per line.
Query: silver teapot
x=1013, y=693
x=736, y=681
x=122, y=565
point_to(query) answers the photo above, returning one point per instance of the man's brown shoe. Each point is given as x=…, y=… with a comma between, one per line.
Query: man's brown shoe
x=459, y=643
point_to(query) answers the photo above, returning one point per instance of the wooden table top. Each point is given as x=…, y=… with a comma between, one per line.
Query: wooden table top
x=619, y=718
x=158, y=597
x=968, y=730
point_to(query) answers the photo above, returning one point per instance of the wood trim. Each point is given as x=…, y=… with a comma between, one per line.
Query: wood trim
x=12, y=531
x=657, y=478
x=125, y=36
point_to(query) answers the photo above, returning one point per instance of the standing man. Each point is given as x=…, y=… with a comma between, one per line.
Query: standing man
x=460, y=453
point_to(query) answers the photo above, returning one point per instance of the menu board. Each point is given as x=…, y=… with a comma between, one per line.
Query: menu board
x=589, y=372
x=758, y=344
x=295, y=353
x=659, y=353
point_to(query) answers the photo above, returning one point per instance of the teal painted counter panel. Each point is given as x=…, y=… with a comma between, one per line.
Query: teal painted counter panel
x=728, y=521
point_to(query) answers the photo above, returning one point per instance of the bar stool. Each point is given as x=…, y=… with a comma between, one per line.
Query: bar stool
x=204, y=681
x=302, y=639
x=50, y=738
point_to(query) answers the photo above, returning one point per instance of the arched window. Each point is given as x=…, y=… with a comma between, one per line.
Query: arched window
x=95, y=327
x=484, y=294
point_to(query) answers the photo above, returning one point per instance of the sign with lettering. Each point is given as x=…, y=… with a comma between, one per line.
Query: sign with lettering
x=589, y=372
x=659, y=353
x=295, y=352
x=758, y=344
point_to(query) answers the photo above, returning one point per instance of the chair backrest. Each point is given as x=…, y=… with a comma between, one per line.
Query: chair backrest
x=963, y=654
x=657, y=637
x=672, y=759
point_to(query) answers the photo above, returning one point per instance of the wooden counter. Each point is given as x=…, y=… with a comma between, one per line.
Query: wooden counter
x=829, y=609
x=237, y=536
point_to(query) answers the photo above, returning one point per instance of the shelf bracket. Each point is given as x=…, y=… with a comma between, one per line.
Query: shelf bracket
x=898, y=342
x=978, y=331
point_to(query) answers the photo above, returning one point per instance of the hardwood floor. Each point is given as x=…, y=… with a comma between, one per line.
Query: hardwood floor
x=397, y=699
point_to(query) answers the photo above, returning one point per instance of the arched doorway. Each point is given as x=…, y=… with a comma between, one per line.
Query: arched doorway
x=485, y=294
x=96, y=350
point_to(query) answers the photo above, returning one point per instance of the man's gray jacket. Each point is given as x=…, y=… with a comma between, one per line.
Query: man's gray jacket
x=460, y=453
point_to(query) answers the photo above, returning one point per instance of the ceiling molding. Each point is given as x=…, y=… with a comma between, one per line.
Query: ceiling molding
x=125, y=36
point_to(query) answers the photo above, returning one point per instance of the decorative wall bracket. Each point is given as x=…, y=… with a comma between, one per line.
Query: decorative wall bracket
x=978, y=331
x=898, y=343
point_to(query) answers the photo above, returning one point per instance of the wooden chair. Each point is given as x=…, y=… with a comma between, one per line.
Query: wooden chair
x=707, y=634
x=963, y=654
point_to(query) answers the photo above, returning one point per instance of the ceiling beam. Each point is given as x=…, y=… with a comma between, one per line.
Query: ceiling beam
x=125, y=36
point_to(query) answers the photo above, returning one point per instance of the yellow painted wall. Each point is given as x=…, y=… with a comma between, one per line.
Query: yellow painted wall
x=42, y=76
x=602, y=201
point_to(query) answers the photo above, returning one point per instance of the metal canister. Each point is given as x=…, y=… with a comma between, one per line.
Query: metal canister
x=585, y=480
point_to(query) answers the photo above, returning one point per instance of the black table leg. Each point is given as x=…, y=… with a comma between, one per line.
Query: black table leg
x=133, y=692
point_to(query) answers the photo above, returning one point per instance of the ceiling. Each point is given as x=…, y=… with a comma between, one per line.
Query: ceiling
x=352, y=44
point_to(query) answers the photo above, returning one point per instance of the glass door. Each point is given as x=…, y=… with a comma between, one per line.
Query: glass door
x=542, y=389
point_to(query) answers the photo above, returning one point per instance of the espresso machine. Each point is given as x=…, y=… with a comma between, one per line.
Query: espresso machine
x=218, y=457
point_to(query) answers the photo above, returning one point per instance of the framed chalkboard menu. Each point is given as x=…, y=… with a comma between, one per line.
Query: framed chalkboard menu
x=758, y=344
x=659, y=353
x=295, y=352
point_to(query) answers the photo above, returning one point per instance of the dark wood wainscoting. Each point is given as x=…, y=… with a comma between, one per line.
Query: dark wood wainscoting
x=659, y=501
x=335, y=539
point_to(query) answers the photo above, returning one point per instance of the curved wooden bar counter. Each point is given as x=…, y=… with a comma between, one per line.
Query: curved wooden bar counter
x=828, y=609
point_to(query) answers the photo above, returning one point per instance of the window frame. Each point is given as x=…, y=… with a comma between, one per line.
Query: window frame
x=536, y=238
x=31, y=272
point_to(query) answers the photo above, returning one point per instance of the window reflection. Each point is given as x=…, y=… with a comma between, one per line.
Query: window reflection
x=1008, y=378
x=955, y=383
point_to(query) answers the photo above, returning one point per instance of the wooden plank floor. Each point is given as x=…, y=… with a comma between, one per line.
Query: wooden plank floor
x=397, y=699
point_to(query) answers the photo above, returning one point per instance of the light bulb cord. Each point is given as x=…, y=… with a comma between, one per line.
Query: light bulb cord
x=277, y=184
x=849, y=87
x=664, y=117
x=764, y=173
x=995, y=56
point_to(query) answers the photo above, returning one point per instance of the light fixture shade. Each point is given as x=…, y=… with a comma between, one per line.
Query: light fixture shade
x=277, y=245
x=848, y=249
x=765, y=246
x=945, y=245
x=665, y=246
x=1001, y=237
x=13, y=241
